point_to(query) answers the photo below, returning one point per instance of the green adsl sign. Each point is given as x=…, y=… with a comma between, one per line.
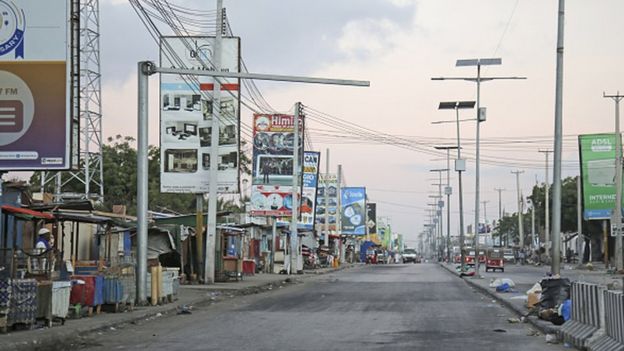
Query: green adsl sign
x=597, y=155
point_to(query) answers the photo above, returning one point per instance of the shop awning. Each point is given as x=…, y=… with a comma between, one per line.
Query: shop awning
x=25, y=214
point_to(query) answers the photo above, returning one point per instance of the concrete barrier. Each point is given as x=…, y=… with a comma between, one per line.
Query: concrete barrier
x=587, y=314
x=612, y=337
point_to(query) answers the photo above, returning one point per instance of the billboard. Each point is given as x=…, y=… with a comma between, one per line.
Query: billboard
x=186, y=117
x=272, y=168
x=35, y=118
x=328, y=183
x=353, y=210
x=597, y=156
x=371, y=217
x=311, y=164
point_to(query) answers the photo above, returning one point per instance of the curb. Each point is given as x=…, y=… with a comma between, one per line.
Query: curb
x=64, y=337
x=533, y=320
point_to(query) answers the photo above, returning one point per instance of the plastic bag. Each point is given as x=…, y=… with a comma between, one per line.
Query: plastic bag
x=554, y=292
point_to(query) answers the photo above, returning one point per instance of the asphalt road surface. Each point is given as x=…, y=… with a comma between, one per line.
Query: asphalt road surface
x=380, y=307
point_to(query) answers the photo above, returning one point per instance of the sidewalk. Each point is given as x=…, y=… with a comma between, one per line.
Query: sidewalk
x=59, y=337
x=524, y=278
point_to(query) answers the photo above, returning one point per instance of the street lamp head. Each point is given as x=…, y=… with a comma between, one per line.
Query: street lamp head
x=439, y=170
x=452, y=105
x=445, y=147
x=478, y=62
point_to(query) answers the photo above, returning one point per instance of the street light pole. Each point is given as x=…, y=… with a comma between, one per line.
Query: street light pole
x=556, y=228
x=617, y=215
x=460, y=166
x=520, y=227
x=480, y=118
x=448, y=191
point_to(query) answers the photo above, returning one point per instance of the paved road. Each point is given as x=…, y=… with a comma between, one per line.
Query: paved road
x=382, y=307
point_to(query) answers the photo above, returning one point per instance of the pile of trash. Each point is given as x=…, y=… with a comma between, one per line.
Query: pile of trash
x=504, y=285
x=550, y=300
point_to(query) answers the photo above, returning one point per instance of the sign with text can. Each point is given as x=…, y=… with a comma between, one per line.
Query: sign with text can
x=35, y=116
x=353, y=215
x=597, y=156
x=186, y=117
x=307, y=210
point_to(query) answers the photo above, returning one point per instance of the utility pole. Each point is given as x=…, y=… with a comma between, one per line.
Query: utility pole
x=556, y=229
x=617, y=215
x=500, y=212
x=211, y=228
x=520, y=228
x=338, y=212
x=294, y=236
x=547, y=204
x=326, y=238
x=579, y=218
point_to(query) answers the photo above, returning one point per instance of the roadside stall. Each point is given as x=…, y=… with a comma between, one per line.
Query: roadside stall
x=229, y=262
x=27, y=269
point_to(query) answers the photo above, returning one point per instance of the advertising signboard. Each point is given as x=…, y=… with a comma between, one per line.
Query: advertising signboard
x=327, y=183
x=371, y=217
x=186, y=117
x=307, y=210
x=272, y=169
x=35, y=119
x=353, y=203
x=597, y=156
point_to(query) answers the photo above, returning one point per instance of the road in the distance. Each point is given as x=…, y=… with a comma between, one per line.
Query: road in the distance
x=381, y=307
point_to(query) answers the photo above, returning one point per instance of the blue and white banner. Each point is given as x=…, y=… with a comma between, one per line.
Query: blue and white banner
x=353, y=205
x=311, y=163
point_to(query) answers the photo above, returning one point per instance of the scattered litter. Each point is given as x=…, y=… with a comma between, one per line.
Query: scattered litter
x=494, y=283
x=537, y=288
x=567, y=345
x=112, y=328
x=513, y=320
x=158, y=314
x=504, y=288
x=519, y=297
x=184, y=309
x=551, y=338
x=532, y=332
x=500, y=330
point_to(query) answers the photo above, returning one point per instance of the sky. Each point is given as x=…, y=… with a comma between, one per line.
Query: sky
x=399, y=45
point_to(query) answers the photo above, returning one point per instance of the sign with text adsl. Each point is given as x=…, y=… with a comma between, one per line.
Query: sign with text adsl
x=597, y=156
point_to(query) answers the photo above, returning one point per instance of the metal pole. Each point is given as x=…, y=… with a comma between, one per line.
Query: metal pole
x=338, y=211
x=556, y=228
x=619, y=264
x=273, y=243
x=532, y=224
x=500, y=213
x=211, y=232
x=547, y=205
x=448, y=204
x=617, y=214
x=520, y=226
x=579, y=218
x=199, y=234
x=440, y=234
x=476, y=218
x=294, y=239
x=142, y=191
x=461, y=198
x=326, y=239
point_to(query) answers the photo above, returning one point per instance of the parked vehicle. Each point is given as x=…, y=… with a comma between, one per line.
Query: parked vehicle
x=494, y=260
x=381, y=257
x=508, y=255
x=469, y=256
x=409, y=255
